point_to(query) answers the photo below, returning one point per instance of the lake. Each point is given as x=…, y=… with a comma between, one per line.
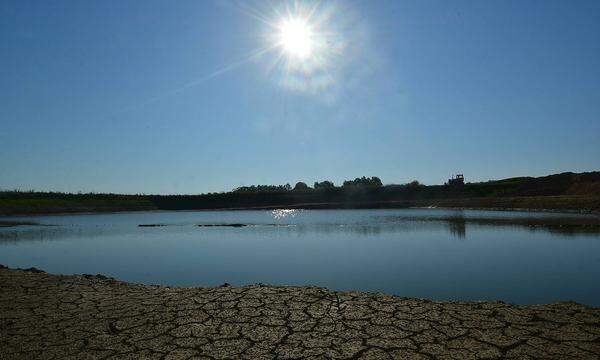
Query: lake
x=516, y=257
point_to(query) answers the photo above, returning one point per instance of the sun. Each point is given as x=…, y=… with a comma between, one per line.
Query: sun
x=296, y=38
x=307, y=41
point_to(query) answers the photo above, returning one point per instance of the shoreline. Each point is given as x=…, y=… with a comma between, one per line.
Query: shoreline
x=95, y=316
x=314, y=206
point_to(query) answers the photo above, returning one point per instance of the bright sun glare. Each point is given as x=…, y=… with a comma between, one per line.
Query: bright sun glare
x=306, y=40
x=296, y=38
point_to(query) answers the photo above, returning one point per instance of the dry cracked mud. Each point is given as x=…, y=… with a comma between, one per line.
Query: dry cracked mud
x=44, y=316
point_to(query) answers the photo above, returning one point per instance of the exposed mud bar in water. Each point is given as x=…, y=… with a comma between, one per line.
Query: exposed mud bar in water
x=220, y=225
x=227, y=225
x=244, y=225
x=4, y=223
x=92, y=316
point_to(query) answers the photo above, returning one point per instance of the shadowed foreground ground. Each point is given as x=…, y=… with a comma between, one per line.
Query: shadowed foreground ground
x=50, y=316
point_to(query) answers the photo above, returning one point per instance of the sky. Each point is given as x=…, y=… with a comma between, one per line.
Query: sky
x=199, y=96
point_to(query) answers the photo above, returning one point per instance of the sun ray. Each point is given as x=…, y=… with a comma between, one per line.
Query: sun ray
x=313, y=11
x=248, y=11
x=231, y=66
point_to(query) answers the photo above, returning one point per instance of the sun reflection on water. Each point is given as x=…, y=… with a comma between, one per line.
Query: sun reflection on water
x=279, y=214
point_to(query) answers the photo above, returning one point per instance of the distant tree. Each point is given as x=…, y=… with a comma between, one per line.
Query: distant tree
x=414, y=184
x=373, y=182
x=300, y=186
x=376, y=182
x=262, y=188
x=324, y=185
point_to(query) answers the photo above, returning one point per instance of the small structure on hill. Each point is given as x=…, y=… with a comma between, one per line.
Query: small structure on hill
x=458, y=180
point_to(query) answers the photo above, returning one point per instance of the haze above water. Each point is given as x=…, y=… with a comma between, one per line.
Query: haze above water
x=438, y=254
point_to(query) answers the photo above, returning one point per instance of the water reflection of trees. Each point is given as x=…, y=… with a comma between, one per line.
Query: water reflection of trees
x=458, y=228
x=457, y=223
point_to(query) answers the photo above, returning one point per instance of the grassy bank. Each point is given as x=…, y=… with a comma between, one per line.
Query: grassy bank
x=30, y=206
x=581, y=204
x=585, y=204
x=560, y=192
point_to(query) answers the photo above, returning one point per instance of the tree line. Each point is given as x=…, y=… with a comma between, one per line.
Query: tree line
x=358, y=183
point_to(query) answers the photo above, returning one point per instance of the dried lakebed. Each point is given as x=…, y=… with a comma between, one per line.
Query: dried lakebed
x=53, y=316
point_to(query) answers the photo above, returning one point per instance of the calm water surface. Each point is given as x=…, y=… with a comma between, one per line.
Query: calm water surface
x=437, y=254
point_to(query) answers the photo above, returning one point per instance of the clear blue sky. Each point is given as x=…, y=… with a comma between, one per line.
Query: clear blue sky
x=161, y=97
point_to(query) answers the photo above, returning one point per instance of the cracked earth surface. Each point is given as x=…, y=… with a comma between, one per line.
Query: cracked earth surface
x=44, y=316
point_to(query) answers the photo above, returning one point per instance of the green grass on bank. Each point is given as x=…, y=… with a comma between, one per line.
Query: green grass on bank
x=53, y=206
x=566, y=191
